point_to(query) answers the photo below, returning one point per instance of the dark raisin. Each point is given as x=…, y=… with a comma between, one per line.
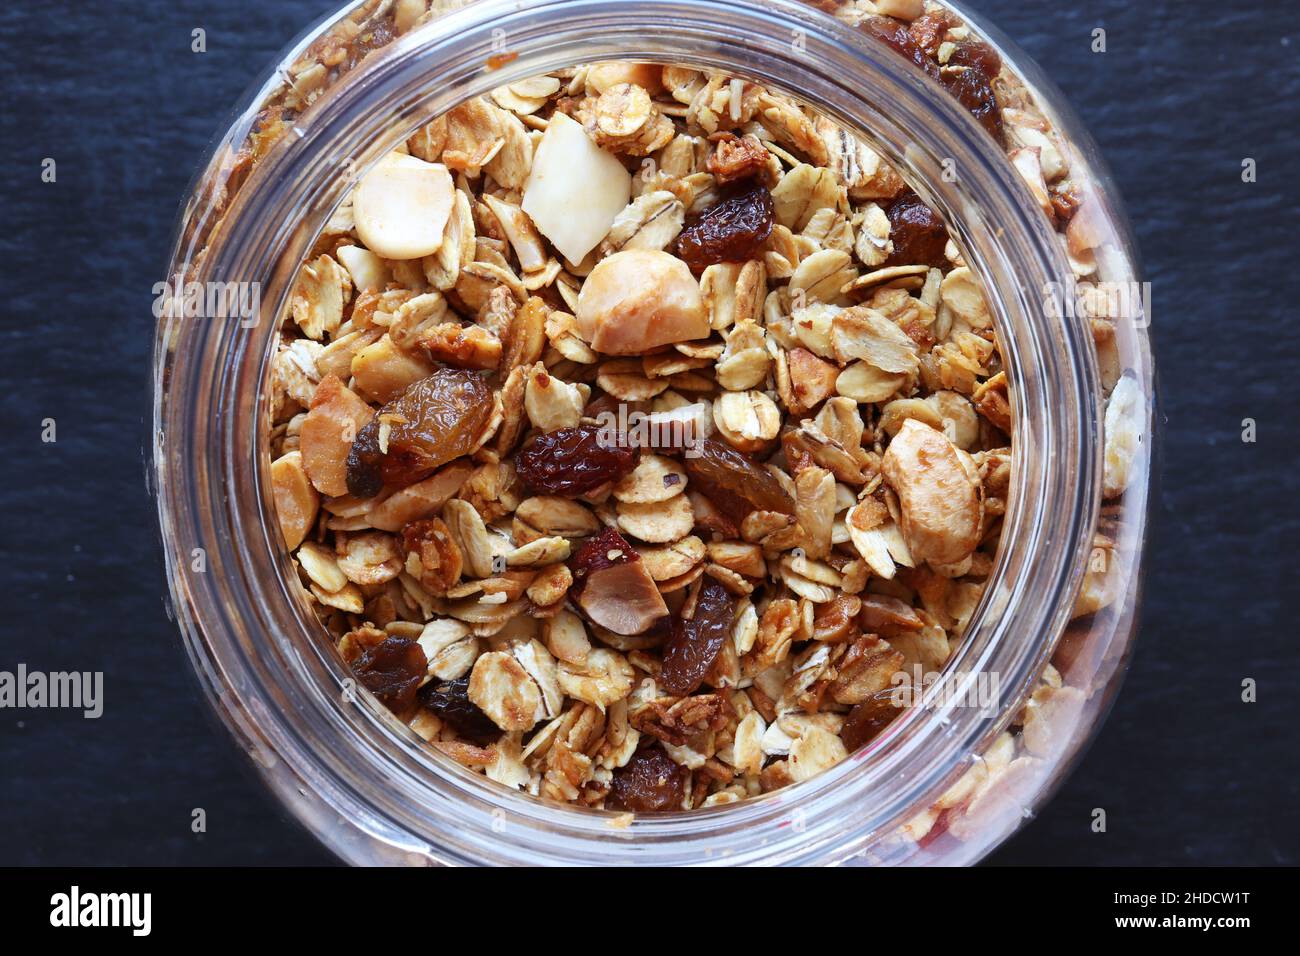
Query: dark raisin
x=696, y=642
x=733, y=481
x=894, y=33
x=651, y=780
x=972, y=89
x=570, y=462
x=929, y=31
x=971, y=67
x=918, y=234
x=392, y=670
x=449, y=699
x=437, y=419
x=733, y=229
x=867, y=719
x=595, y=555
x=978, y=56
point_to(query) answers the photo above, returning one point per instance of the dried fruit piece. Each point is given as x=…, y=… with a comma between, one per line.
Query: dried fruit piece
x=437, y=419
x=450, y=700
x=918, y=234
x=392, y=671
x=731, y=230
x=570, y=462
x=869, y=718
x=650, y=781
x=896, y=35
x=733, y=481
x=612, y=586
x=696, y=642
x=973, y=89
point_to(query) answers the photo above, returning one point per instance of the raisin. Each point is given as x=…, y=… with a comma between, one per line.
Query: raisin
x=975, y=62
x=449, y=699
x=570, y=462
x=733, y=481
x=651, y=780
x=977, y=56
x=595, y=555
x=929, y=30
x=437, y=419
x=733, y=229
x=392, y=671
x=972, y=89
x=868, y=719
x=696, y=642
x=894, y=33
x=918, y=234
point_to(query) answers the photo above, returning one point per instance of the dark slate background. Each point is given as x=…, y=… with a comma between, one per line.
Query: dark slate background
x=1186, y=772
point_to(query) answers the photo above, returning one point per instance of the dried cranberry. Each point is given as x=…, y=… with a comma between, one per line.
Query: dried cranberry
x=570, y=462
x=437, y=419
x=449, y=699
x=392, y=670
x=696, y=642
x=733, y=229
x=733, y=481
x=917, y=232
x=894, y=33
x=651, y=780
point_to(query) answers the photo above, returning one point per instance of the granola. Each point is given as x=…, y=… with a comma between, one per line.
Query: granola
x=803, y=517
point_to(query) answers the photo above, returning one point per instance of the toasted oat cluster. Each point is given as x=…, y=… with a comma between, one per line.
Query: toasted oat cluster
x=638, y=433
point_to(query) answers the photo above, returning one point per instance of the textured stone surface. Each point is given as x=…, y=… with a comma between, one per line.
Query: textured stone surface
x=1186, y=773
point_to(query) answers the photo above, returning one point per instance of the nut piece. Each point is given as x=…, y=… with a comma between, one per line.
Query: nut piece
x=402, y=205
x=938, y=495
x=623, y=598
x=501, y=688
x=336, y=417
x=638, y=300
x=1123, y=435
x=575, y=189
x=296, y=501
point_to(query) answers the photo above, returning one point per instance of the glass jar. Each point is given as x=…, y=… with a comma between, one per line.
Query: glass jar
x=946, y=782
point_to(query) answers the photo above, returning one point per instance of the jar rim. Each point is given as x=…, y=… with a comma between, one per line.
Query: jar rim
x=246, y=629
